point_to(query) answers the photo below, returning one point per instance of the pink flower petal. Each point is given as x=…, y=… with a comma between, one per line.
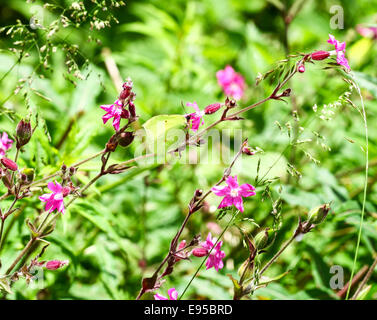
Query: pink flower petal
x=221, y=191
x=173, y=294
x=45, y=197
x=232, y=182
x=54, y=187
x=107, y=107
x=232, y=83
x=226, y=202
x=237, y=201
x=116, y=123
x=332, y=40
x=106, y=117
x=247, y=190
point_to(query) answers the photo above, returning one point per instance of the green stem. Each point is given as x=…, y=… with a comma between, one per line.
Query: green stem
x=365, y=188
x=273, y=259
x=205, y=259
x=74, y=165
x=1, y=231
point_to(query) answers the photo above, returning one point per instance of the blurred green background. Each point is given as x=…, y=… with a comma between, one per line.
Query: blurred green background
x=172, y=50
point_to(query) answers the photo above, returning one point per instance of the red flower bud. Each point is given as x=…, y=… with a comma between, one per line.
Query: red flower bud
x=301, y=68
x=8, y=163
x=212, y=108
x=199, y=252
x=23, y=133
x=320, y=55
x=247, y=150
x=124, y=94
x=125, y=114
x=132, y=109
x=55, y=264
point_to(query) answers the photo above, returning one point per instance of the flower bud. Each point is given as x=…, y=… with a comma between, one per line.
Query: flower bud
x=23, y=178
x=247, y=150
x=126, y=138
x=111, y=145
x=9, y=164
x=6, y=178
x=198, y=193
x=200, y=252
x=246, y=270
x=286, y=92
x=320, y=55
x=125, y=114
x=29, y=173
x=318, y=214
x=232, y=103
x=23, y=133
x=182, y=244
x=127, y=85
x=301, y=68
x=66, y=191
x=124, y=94
x=131, y=107
x=72, y=171
x=212, y=108
x=55, y=264
x=264, y=238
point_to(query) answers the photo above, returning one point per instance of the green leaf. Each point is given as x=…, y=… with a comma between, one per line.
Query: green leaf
x=94, y=213
x=266, y=280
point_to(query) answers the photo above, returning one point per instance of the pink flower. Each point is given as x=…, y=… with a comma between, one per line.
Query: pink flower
x=55, y=264
x=340, y=49
x=54, y=200
x=233, y=193
x=173, y=295
x=115, y=111
x=196, y=118
x=215, y=256
x=5, y=144
x=232, y=83
x=367, y=32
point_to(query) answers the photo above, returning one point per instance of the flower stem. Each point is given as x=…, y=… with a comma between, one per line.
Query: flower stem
x=205, y=259
x=366, y=279
x=273, y=259
x=365, y=187
x=1, y=231
x=76, y=165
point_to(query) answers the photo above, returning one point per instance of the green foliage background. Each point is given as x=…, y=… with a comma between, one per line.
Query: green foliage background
x=172, y=50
